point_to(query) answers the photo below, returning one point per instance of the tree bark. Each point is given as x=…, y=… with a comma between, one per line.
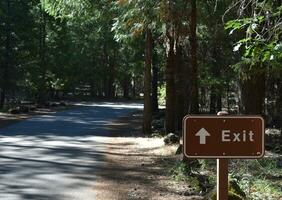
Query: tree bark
x=212, y=100
x=125, y=87
x=111, y=79
x=279, y=99
x=216, y=89
x=170, y=88
x=42, y=54
x=134, y=87
x=187, y=72
x=218, y=102
x=155, y=104
x=109, y=63
x=2, y=98
x=253, y=92
x=111, y=87
x=179, y=88
x=93, y=89
x=279, y=102
x=193, y=40
x=215, y=101
x=147, y=115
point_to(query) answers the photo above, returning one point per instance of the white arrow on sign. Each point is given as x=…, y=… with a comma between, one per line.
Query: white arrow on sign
x=203, y=134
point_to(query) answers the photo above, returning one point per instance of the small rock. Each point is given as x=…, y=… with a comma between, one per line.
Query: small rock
x=171, y=139
x=47, y=104
x=24, y=109
x=14, y=111
x=54, y=104
x=62, y=103
x=189, y=193
x=32, y=108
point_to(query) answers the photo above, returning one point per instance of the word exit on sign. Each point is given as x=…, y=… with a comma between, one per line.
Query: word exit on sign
x=223, y=136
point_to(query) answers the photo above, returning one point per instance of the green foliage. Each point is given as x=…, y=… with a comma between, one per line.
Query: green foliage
x=262, y=42
x=134, y=18
x=67, y=8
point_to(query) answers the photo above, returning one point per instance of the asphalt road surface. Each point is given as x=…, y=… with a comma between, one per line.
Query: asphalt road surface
x=57, y=157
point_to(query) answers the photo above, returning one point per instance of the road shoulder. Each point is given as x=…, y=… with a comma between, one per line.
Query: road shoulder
x=7, y=119
x=138, y=167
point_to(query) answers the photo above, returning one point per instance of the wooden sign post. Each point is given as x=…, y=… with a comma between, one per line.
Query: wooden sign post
x=222, y=179
x=223, y=138
x=222, y=174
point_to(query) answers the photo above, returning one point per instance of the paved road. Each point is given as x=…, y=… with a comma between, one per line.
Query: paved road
x=56, y=157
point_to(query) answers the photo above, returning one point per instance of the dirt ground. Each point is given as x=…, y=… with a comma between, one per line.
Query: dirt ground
x=138, y=167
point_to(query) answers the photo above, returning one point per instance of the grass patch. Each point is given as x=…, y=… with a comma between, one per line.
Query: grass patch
x=190, y=175
x=181, y=172
x=260, y=179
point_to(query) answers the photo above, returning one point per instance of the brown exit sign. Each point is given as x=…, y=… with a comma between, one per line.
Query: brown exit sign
x=223, y=136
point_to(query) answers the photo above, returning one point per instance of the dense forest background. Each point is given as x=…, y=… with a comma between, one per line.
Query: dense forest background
x=191, y=56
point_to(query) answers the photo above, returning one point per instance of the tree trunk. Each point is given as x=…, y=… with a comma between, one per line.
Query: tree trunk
x=278, y=106
x=125, y=87
x=202, y=97
x=179, y=88
x=279, y=101
x=155, y=104
x=42, y=53
x=212, y=100
x=147, y=115
x=253, y=92
x=2, y=98
x=105, y=87
x=109, y=63
x=218, y=102
x=215, y=101
x=134, y=87
x=193, y=40
x=93, y=89
x=111, y=86
x=100, y=89
x=170, y=88
x=187, y=72
x=111, y=79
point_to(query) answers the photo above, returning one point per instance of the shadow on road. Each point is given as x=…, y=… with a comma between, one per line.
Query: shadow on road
x=57, y=156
